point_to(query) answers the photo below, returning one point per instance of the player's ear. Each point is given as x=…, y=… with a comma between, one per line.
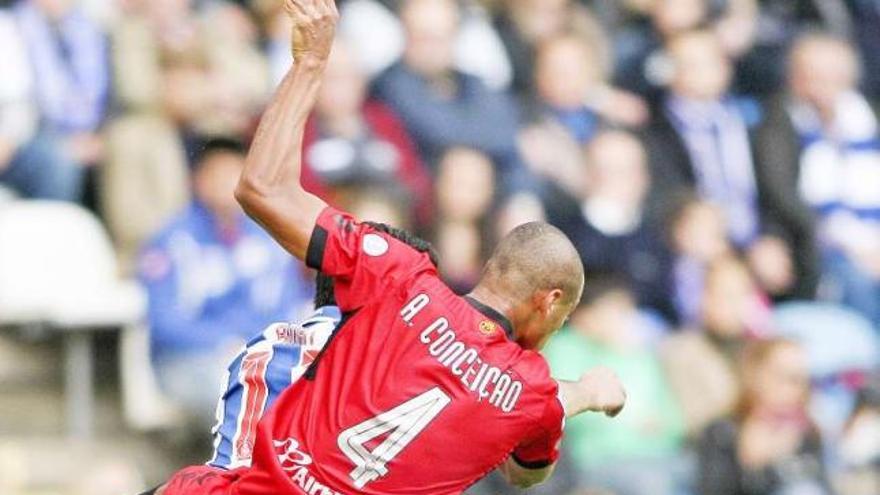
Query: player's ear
x=558, y=297
x=549, y=300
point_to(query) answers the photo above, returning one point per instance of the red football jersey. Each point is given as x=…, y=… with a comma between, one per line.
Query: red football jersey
x=419, y=391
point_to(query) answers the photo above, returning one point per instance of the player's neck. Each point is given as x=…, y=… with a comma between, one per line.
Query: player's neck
x=485, y=295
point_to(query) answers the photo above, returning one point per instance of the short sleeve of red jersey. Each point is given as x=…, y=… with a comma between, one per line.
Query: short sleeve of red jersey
x=362, y=260
x=542, y=449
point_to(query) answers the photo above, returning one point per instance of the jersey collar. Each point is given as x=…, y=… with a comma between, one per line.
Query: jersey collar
x=493, y=314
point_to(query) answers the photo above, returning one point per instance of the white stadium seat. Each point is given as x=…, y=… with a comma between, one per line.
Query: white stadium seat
x=58, y=270
x=57, y=266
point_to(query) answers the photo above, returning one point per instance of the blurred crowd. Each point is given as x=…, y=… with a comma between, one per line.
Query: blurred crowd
x=715, y=162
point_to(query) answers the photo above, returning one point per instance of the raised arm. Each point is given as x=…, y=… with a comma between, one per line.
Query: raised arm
x=269, y=189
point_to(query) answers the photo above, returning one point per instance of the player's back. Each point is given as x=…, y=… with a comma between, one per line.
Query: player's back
x=420, y=392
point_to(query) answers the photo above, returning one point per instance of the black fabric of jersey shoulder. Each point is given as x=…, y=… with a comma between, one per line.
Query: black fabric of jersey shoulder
x=151, y=492
x=530, y=465
x=313, y=368
x=315, y=251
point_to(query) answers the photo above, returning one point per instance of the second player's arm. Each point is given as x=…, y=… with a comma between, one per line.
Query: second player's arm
x=269, y=189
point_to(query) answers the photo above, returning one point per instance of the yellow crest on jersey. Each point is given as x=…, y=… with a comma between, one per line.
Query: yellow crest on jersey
x=488, y=327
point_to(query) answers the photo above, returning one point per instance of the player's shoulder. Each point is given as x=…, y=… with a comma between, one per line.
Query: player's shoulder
x=534, y=369
x=373, y=239
x=540, y=396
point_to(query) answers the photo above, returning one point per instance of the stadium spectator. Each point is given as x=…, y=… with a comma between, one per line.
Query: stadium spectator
x=378, y=39
x=514, y=211
x=770, y=445
x=608, y=221
x=822, y=143
x=32, y=163
x=71, y=81
x=378, y=204
x=556, y=161
x=238, y=71
x=159, y=92
x=641, y=64
x=737, y=28
x=779, y=22
x=618, y=15
x=839, y=360
x=565, y=72
x=526, y=24
x=441, y=106
x=701, y=362
x=175, y=83
x=150, y=36
x=211, y=276
x=375, y=30
x=68, y=52
x=866, y=18
x=571, y=89
x=275, y=28
x=462, y=213
x=859, y=452
x=144, y=180
x=355, y=140
x=641, y=454
x=170, y=49
x=700, y=136
x=698, y=237
x=700, y=141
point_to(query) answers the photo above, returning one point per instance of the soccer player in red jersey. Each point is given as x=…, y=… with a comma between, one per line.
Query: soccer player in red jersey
x=419, y=391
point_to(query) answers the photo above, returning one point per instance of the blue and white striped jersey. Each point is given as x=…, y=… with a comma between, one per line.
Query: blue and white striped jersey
x=269, y=363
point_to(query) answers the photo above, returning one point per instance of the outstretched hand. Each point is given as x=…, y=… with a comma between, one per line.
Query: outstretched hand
x=314, y=26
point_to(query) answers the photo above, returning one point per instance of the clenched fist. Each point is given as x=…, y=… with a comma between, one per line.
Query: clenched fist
x=314, y=26
x=603, y=390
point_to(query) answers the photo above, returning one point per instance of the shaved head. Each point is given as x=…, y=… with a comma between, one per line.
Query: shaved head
x=533, y=257
x=536, y=276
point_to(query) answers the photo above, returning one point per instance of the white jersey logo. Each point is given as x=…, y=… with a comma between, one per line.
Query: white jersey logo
x=289, y=455
x=375, y=245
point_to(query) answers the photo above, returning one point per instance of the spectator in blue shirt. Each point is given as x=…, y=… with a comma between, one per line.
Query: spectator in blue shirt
x=32, y=164
x=821, y=145
x=70, y=63
x=701, y=142
x=212, y=276
x=440, y=106
x=69, y=56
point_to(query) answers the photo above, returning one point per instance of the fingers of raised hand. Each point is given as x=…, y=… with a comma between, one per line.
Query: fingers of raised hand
x=311, y=10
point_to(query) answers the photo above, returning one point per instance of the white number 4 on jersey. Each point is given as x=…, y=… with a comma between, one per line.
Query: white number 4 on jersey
x=404, y=423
